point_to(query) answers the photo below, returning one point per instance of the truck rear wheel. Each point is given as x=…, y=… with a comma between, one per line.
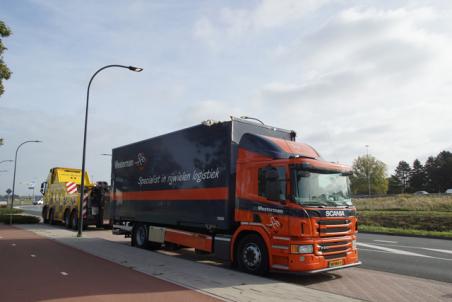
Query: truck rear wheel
x=67, y=219
x=74, y=219
x=140, y=238
x=252, y=255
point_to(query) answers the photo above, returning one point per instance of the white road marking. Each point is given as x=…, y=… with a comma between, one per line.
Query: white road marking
x=13, y=244
x=385, y=241
x=33, y=256
x=64, y=273
x=420, y=248
x=394, y=251
x=438, y=250
x=399, y=252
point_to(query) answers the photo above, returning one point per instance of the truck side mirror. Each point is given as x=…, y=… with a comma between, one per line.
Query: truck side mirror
x=43, y=187
x=272, y=186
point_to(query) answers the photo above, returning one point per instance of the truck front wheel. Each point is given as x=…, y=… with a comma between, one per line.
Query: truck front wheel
x=52, y=216
x=44, y=214
x=252, y=255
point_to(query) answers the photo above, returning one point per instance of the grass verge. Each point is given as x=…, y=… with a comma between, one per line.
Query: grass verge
x=409, y=232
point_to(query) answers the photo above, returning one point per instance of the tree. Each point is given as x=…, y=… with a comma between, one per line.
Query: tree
x=365, y=168
x=402, y=174
x=394, y=186
x=5, y=73
x=439, y=172
x=418, y=177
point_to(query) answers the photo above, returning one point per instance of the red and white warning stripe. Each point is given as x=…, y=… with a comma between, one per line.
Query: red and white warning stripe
x=71, y=187
x=85, y=204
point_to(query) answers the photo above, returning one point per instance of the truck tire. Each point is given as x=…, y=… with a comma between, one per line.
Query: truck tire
x=74, y=220
x=252, y=255
x=45, y=218
x=140, y=236
x=67, y=219
x=52, y=217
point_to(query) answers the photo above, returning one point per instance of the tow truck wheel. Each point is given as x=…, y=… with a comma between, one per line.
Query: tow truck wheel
x=67, y=220
x=74, y=219
x=44, y=214
x=252, y=255
x=52, y=217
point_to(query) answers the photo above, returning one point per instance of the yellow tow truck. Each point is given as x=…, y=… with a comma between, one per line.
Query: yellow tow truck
x=61, y=194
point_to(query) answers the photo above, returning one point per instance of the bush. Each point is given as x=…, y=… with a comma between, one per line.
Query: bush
x=7, y=211
x=415, y=220
x=19, y=219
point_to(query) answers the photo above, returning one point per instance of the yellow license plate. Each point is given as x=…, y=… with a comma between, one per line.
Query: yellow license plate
x=335, y=263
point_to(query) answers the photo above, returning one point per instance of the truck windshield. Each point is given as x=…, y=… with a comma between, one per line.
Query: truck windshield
x=321, y=188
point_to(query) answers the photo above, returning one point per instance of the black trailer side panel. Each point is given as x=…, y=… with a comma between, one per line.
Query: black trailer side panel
x=177, y=179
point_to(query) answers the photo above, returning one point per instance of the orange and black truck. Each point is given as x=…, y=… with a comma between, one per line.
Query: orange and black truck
x=246, y=192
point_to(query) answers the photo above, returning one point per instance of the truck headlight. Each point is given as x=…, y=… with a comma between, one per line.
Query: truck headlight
x=301, y=249
x=354, y=244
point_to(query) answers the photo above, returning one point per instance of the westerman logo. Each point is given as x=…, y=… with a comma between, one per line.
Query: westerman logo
x=141, y=161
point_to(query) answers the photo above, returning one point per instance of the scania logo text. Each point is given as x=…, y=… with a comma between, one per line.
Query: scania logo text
x=334, y=213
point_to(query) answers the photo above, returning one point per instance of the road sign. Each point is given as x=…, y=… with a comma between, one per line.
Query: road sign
x=9, y=191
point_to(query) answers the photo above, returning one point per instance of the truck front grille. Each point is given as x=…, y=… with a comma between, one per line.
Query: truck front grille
x=332, y=227
x=333, y=249
x=335, y=256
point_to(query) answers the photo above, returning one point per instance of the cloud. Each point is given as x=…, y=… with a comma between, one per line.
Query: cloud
x=237, y=23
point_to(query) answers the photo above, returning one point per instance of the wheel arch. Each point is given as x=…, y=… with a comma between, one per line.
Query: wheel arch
x=245, y=230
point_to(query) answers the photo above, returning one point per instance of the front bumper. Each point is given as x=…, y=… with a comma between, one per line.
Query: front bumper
x=329, y=254
x=323, y=270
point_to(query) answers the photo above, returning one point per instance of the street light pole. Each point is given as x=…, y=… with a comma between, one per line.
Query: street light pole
x=14, y=177
x=82, y=185
x=368, y=169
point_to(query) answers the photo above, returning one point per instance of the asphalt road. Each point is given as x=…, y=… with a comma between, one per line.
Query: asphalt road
x=33, y=210
x=413, y=256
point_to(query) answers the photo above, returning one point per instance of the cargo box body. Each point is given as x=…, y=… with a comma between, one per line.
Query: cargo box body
x=184, y=179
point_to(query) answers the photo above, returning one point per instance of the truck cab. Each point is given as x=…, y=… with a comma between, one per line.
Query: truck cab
x=299, y=204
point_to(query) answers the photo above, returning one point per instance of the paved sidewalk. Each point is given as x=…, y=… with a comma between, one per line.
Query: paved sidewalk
x=216, y=281
x=34, y=268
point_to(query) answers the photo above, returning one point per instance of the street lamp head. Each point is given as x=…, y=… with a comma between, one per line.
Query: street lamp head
x=37, y=141
x=136, y=69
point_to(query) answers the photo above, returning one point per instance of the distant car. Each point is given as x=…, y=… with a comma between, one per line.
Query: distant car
x=421, y=193
x=40, y=201
x=448, y=191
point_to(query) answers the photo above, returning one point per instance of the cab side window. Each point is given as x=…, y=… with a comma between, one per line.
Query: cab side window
x=263, y=181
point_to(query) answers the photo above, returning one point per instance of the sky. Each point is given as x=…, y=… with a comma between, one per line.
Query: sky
x=342, y=74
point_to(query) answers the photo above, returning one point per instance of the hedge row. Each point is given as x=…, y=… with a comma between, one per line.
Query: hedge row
x=19, y=219
x=416, y=220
